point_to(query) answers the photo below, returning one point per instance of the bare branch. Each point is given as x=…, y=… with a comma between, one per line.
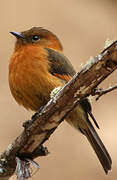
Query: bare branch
x=101, y=91
x=28, y=144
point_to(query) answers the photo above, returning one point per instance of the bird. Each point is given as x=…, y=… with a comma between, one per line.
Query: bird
x=37, y=66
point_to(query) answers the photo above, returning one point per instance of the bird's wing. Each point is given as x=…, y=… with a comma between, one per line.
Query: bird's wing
x=59, y=65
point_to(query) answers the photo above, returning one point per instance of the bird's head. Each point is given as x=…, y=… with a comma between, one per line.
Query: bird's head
x=37, y=36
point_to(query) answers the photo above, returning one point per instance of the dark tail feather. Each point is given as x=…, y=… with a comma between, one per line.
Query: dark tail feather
x=98, y=147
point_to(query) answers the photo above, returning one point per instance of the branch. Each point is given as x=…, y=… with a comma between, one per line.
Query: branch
x=29, y=143
x=101, y=91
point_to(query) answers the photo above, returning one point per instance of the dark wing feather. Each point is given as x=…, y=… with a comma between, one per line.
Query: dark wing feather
x=61, y=67
x=59, y=64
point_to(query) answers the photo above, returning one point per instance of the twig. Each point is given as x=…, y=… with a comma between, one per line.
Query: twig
x=101, y=91
x=47, y=120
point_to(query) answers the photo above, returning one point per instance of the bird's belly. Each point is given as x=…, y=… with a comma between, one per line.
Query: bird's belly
x=31, y=88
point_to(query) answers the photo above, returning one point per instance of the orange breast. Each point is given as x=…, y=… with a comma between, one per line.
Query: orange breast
x=29, y=79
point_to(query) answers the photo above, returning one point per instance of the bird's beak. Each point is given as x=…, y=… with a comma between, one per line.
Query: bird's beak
x=17, y=34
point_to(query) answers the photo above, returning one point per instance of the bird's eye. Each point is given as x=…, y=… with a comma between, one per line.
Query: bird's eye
x=35, y=38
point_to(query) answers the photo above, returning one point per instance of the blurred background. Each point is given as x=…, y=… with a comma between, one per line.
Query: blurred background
x=83, y=26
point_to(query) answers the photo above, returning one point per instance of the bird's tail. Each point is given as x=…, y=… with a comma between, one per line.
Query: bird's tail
x=79, y=119
x=98, y=147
